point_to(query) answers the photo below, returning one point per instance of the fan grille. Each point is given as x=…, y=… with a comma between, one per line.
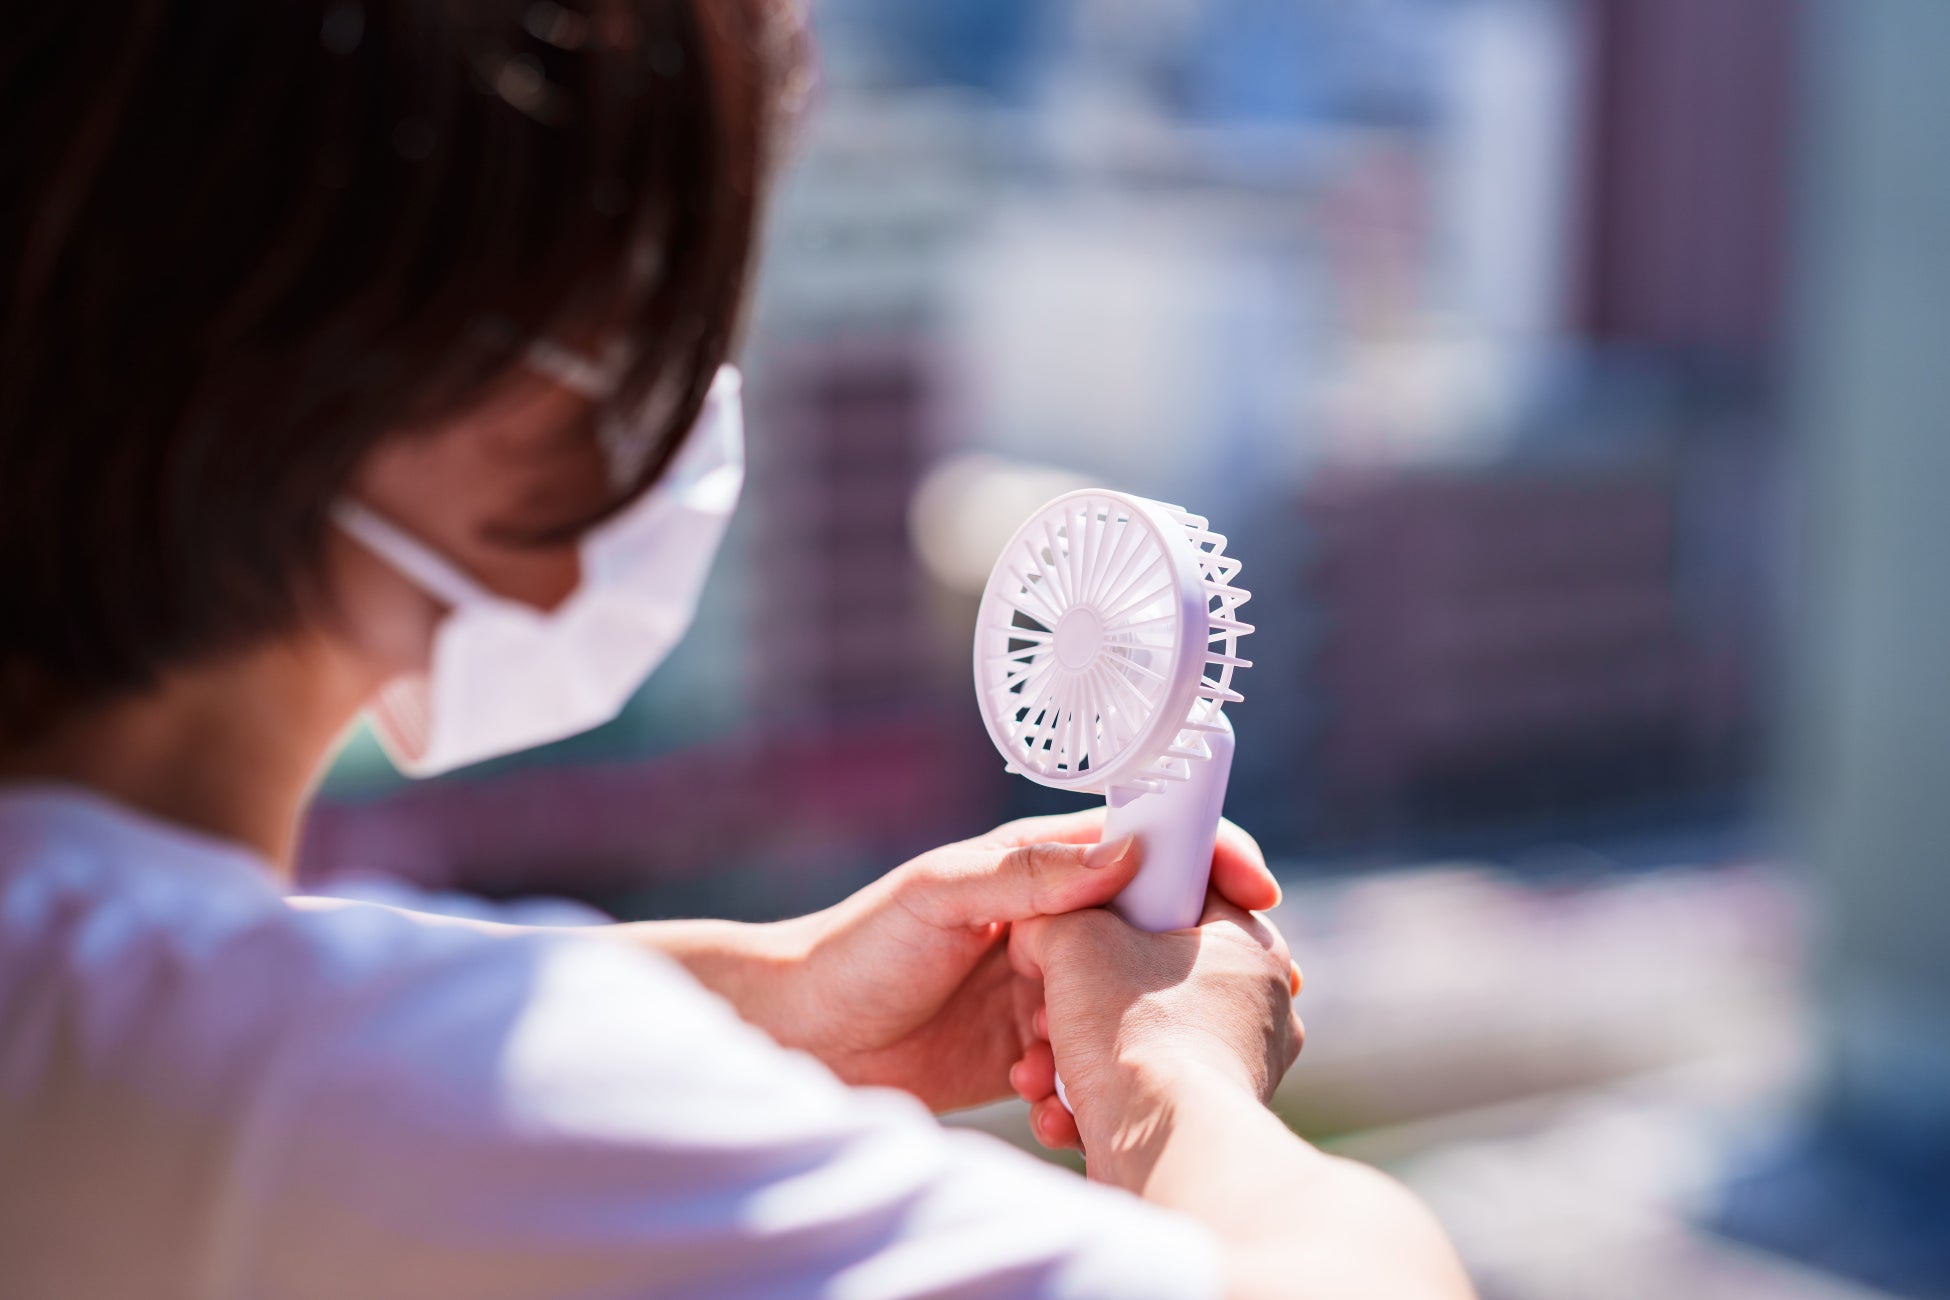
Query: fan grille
x=1088, y=654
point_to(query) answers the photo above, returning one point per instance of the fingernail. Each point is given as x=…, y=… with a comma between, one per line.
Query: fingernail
x=1109, y=852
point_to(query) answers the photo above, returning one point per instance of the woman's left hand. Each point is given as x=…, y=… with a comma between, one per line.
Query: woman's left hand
x=908, y=984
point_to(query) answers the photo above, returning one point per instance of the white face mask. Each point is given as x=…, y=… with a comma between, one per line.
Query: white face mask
x=506, y=676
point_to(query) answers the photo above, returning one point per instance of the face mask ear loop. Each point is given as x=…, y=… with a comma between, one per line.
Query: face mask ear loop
x=409, y=556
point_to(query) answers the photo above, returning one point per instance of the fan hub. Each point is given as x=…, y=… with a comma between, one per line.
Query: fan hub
x=1079, y=637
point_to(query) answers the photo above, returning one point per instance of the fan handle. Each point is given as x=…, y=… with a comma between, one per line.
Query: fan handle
x=1177, y=830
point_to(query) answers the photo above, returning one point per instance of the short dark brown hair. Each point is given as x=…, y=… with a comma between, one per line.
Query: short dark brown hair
x=244, y=241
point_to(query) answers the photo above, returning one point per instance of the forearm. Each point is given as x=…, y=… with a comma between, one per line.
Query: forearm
x=748, y=965
x=1292, y=1219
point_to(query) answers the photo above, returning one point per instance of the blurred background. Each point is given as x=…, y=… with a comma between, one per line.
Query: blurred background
x=1567, y=374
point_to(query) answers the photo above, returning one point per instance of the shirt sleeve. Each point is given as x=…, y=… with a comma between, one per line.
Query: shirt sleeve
x=517, y=1118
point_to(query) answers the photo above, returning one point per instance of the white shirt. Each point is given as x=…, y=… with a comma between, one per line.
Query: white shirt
x=207, y=1093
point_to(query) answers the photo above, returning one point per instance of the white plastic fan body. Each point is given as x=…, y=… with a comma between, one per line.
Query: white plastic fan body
x=1104, y=654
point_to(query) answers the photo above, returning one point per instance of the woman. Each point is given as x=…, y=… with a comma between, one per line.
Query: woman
x=369, y=354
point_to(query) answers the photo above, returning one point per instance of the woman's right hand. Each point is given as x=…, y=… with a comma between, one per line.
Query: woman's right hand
x=1129, y=1015
x=1169, y=1044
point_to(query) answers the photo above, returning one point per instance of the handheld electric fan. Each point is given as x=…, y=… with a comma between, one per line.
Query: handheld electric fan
x=1104, y=655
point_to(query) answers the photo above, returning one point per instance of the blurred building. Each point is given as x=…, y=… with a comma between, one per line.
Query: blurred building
x=852, y=389
x=1505, y=645
x=1565, y=624
x=1687, y=205
x=837, y=623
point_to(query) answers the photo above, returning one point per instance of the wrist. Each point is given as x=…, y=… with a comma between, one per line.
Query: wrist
x=1126, y=1126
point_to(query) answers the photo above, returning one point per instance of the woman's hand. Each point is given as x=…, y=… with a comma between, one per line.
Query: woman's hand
x=1127, y=1013
x=1169, y=1046
x=908, y=983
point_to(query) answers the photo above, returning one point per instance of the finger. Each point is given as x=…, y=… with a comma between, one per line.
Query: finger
x=1034, y=1076
x=1026, y=999
x=1040, y=1021
x=1085, y=826
x=1027, y=941
x=1218, y=909
x=977, y=885
x=1239, y=870
x=1054, y=1126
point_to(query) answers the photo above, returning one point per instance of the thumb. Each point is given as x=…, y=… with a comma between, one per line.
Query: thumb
x=977, y=884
